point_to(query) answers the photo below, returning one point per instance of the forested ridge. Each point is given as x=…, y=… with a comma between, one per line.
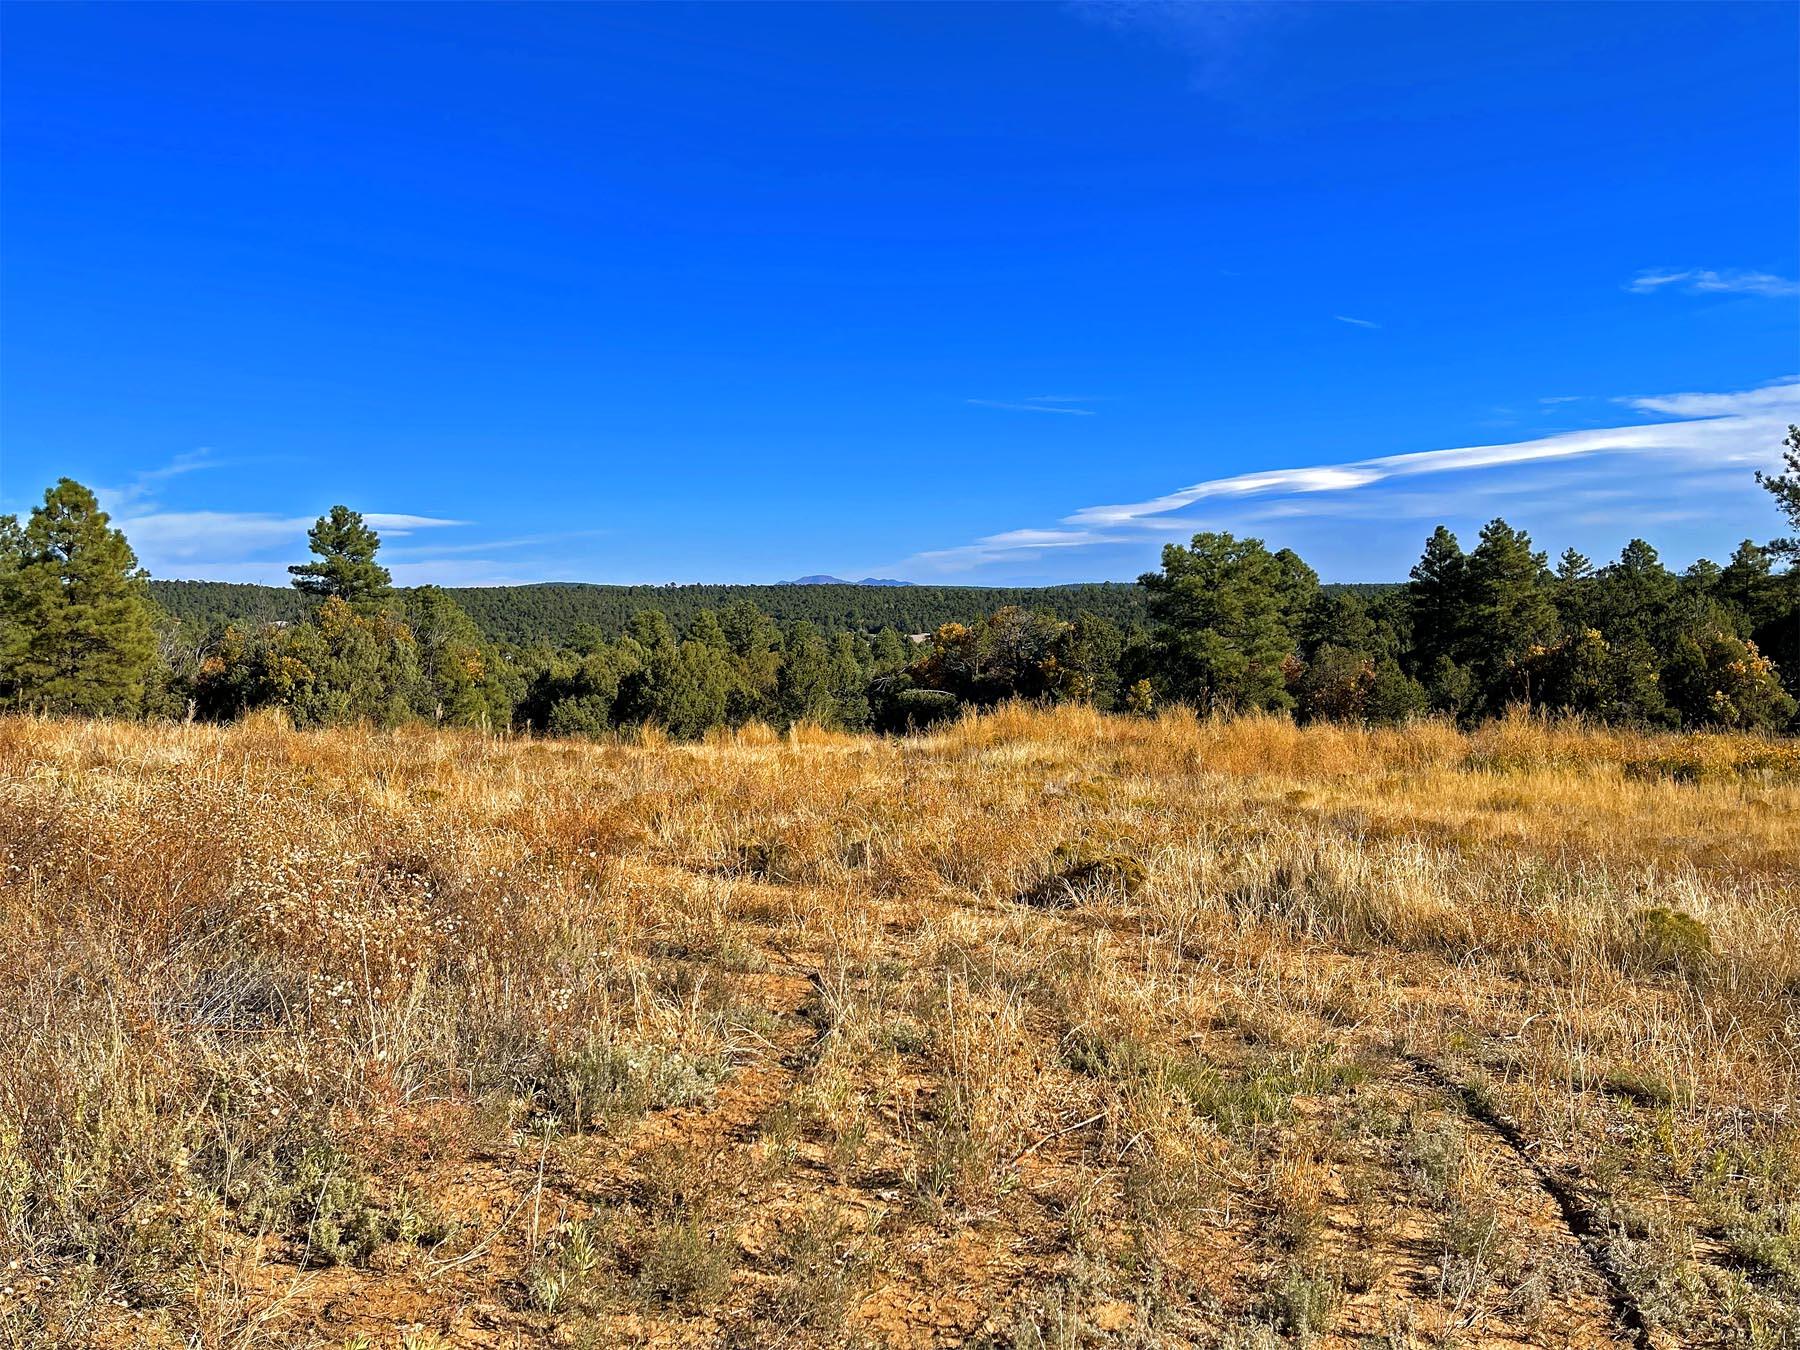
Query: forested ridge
x=1225, y=623
x=565, y=612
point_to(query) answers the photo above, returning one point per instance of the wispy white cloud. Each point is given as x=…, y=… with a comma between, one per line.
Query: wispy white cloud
x=399, y=523
x=1719, y=424
x=219, y=544
x=1715, y=430
x=1048, y=403
x=144, y=485
x=1011, y=545
x=1699, y=281
x=424, y=552
x=1780, y=396
x=163, y=537
x=238, y=534
x=1360, y=323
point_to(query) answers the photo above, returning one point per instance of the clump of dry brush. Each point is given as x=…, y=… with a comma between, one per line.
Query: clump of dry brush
x=1046, y=1029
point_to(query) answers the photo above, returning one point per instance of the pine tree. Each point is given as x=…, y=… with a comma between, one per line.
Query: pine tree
x=1633, y=595
x=890, y=651
x=1438, y=601
x=1574, y=590
x=755, y=642
x=1341, y=619
x=346, y=568
x=1511, y=608
x=1573, y=566
x=1228, y=614
x=462, y=677
x=1748, y=584
x=1784, y=636
x=805, y=687
x=76, y=622
x=1785, y=488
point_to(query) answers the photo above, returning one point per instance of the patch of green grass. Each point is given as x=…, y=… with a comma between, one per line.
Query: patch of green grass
x=1639, y=1086
x=574, y=1268
x=1081, y=872
x=1303, y=1301
x=1668, y=942
x=311, y=1191
x=1262, y=1092
x=825, y=1258
x=602, y=1082
x=684, y=1265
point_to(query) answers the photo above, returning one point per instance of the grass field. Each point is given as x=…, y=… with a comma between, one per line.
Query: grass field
x=1050, y=1029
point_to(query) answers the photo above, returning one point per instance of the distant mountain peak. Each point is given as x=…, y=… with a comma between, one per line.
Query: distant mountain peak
x=822, y=579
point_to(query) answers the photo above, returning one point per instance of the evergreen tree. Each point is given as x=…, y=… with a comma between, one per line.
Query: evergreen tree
x=889, y=650
x=1785, y=489
x=1341, y=619
x=1748, y=584
x=706, y=630
x=810, y=677
x=1573, y=592
x=1584, y=673
x=1783, y=636
x=464, y=679
x=754, y=640
x=1631, y=598
x=1573, y=566
x=1016, y=655
x=1087, y=653
x=1227, y=614
x=345, y=666
x=848, y=686
x=1715, y=678
x=1335, y=685
x=1438, y=601
x=346, y=567
x=1296, y=587
x=1702, y=577
x=1510, y=608
x=1450, y=689
x=76, y=624
x=1394, y=696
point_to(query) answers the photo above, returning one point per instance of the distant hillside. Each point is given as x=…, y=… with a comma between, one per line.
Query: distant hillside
x=560, y=612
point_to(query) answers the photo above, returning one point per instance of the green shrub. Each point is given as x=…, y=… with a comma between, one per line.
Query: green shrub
x=604, y=1081
x=1304, y=1302
x=917, y=709
x=684, y=1266
x=1668, y=942
x=1079, y=872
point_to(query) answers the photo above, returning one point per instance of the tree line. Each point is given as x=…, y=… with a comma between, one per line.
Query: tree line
x=568, y=613
x=1225, y=623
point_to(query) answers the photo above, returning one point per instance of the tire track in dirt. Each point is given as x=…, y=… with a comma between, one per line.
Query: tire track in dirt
x=1585, y=1226
x=1584, y=1229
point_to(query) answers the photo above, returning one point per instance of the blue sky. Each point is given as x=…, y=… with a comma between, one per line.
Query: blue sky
x=1001, y=294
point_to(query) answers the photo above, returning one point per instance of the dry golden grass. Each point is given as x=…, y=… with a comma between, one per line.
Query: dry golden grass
x=1050, y=1029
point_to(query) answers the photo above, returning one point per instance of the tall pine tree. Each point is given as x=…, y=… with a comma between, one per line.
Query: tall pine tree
x=1438, y=601
x=76, y=631
x=346, y=568
x=1512, y=610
